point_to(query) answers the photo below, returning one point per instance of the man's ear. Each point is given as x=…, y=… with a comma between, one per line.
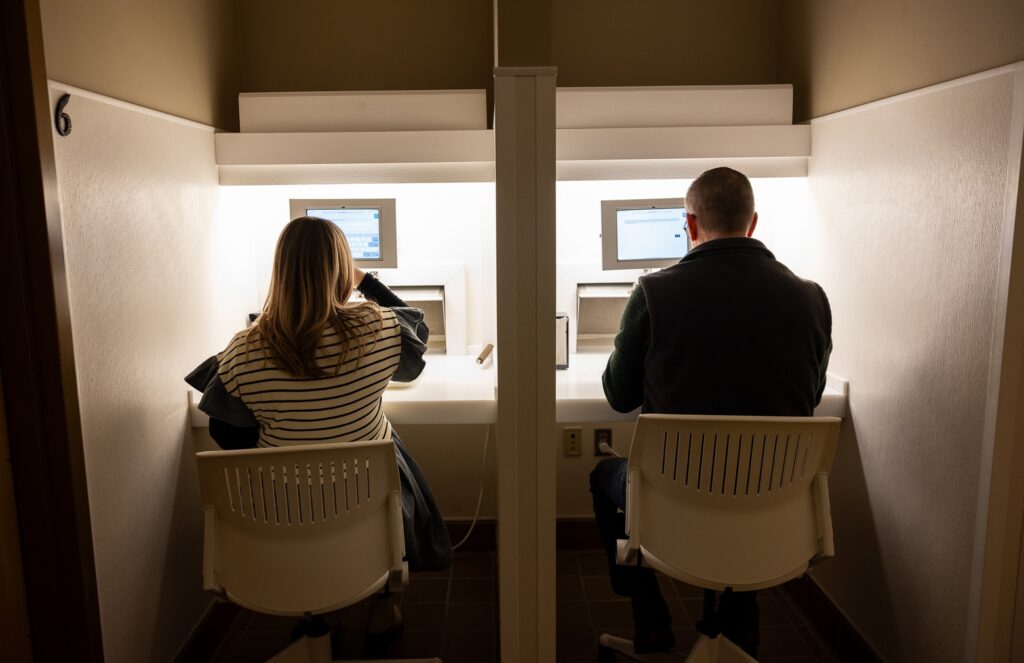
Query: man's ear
x=753, y=224
x=691, y=227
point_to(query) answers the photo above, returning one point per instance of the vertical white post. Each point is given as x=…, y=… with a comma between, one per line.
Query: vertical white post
x=524, y=122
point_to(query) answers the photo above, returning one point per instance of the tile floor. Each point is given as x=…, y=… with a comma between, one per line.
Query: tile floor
x=453, y=614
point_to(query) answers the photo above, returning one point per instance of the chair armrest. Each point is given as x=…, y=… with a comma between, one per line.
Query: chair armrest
x=397, y=533
x=624, y=555
x=826, y=546
x=628, y=548
x=210, y=550
x=398, y=579
x=633, y=506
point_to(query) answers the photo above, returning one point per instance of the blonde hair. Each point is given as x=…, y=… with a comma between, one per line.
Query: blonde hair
x=310, y=286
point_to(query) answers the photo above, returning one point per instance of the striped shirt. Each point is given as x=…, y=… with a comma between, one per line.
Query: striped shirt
x=339, y=408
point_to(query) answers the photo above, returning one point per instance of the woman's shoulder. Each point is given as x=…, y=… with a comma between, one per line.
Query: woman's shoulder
x=389, y=322
x=371, y=313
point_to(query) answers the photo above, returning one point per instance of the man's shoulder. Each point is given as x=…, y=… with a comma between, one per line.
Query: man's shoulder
x=713, y=276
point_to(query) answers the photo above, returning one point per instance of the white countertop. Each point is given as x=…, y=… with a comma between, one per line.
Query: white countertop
x=456, y=390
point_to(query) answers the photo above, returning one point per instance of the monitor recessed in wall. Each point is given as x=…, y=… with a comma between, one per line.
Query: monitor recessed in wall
x=643, y=234
x=369, y=226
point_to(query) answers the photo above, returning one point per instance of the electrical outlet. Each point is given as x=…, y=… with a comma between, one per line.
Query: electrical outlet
x=602, y=435
x=572, y=441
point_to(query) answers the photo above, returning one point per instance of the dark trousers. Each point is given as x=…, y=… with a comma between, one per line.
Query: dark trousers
x=608, y=487
x=737, y=612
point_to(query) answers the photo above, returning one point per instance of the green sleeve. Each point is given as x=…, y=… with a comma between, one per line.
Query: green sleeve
x=823, y=367
x=623, y=378
x=823, y=373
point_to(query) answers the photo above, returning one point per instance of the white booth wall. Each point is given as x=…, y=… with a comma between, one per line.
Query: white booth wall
x=909, y=200
x=158, y=280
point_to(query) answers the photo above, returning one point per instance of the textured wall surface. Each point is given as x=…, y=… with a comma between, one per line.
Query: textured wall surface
x=157, y=283
x=842, y=53
x=174, y=56
x=908, y=198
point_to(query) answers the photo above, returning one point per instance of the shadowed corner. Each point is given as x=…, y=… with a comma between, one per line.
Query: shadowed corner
x=853, y=520
x=225, y=65
x=181, y=588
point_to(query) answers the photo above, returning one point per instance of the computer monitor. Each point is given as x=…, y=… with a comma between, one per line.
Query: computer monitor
x=369, y=227
x=637, y=234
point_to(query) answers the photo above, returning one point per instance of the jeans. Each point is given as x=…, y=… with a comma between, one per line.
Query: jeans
x=608, y=487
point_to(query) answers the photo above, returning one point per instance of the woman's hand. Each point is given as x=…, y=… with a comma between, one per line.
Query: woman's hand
x=357, y=276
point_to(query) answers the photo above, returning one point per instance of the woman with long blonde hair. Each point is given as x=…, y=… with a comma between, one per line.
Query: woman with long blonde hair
x=313, y=367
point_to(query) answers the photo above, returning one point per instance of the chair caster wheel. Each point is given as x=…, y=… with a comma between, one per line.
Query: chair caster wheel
x=605, y=654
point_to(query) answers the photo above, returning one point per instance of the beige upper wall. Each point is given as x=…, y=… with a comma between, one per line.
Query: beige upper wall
x=665, y=42
x=380, y=45
x=191, y=57
x=169, y=55
x=844, y=53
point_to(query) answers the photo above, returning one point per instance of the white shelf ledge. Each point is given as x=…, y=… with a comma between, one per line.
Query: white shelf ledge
x=380, y=110
x=468, y=155
x=440, y=136
x=683, y=143
x=673, y=106
x=357, y=147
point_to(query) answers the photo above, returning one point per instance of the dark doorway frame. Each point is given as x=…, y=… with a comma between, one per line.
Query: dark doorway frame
x=37, y=359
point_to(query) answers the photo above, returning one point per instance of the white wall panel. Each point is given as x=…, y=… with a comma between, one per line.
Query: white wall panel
x=158, y=281
x=907, y=201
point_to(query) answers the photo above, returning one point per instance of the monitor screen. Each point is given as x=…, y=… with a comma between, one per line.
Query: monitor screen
x=361, y=228
x=651, y=234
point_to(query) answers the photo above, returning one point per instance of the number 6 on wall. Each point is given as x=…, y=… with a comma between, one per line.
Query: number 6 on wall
x=61, y=120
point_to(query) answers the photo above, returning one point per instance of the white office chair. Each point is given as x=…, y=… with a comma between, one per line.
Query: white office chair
x=738, y=503
x=303, y=530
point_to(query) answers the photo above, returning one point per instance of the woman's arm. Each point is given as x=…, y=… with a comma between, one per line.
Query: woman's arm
x=410, y=320
x=232, y=424
x=375, y=291
x=414, y=343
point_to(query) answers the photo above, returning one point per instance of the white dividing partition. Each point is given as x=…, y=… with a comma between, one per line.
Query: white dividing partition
x=525, y=199
x=909, y=201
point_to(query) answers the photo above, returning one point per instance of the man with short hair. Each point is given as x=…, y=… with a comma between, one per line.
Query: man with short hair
x=728, y=330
